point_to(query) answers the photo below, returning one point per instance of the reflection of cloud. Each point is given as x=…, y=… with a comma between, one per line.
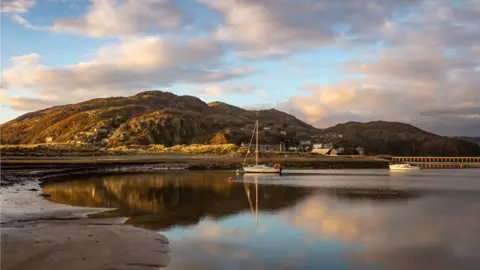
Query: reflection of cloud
x=431, y=233
x=217, y=231
x=208, y=255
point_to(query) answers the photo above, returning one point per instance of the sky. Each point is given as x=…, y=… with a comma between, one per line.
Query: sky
x=325, y=61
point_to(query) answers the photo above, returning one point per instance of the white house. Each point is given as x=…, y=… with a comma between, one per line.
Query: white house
x=322, y=145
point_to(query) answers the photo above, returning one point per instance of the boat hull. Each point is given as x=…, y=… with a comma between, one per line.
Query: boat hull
x=261, y=170
x=403, y=168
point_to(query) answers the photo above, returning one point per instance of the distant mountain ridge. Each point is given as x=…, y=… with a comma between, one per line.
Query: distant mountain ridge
x=381, y=137
x=156, y=117
x=475, y=140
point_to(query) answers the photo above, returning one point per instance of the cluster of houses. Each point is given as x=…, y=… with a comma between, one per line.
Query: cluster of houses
x=309, y=146
x=99, y=137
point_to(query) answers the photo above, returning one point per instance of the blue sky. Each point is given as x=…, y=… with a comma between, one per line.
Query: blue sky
x=322, y=61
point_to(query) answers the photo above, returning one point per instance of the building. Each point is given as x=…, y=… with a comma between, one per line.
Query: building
x=283, y=132
x=305, y=142
x=49, y=139
x=101, y=130
x=322, y=145
x=305, y=145
x=282, y=147
x=322, y=148
x=350, y=151
x=269, y=147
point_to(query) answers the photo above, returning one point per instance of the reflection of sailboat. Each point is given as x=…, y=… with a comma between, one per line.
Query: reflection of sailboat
x=259, y=168
x=247, y=191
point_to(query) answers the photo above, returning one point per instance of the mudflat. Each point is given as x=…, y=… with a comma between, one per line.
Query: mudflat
x=38, y=234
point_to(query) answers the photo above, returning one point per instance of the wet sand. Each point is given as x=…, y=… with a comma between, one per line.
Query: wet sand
x=38, y=234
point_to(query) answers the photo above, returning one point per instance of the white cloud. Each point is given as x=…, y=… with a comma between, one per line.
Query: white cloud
x=26, y=104
x=131, y=66
x=16, y=6
x=265, y=28
x=123, y=18
x=218, y=91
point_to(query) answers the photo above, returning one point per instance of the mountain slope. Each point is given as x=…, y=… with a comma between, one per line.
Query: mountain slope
x=380, y=137
x=152, y=117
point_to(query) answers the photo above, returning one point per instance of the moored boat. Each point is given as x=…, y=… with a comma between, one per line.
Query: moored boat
x=261, y=168
x=403, y=167
x=258, y=168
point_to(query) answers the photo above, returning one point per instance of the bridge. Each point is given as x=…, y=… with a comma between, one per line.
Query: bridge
x=440, y=162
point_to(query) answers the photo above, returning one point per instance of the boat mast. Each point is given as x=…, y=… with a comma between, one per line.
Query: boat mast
x=256, y=147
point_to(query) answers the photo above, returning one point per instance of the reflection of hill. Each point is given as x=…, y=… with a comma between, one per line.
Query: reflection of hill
x=377, y=194
x=164, y=200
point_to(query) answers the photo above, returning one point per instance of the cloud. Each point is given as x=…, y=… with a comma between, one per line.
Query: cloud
x=325, y=103
x=130, y=66
x=277, y=28
x=13, y=9
x=123, y=18
x=26, y=104
x=16, y=6
x=425, y=76
x=218, y=91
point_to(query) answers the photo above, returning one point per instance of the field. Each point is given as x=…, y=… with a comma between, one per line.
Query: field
x=64, y=149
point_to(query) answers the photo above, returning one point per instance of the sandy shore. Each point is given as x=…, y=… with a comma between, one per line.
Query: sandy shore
x=38, y=234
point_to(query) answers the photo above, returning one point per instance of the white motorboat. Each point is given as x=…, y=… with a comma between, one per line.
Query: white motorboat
x=403, y=167
x=258, y=168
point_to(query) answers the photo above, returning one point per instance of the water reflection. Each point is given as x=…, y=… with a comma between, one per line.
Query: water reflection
x=349, y=220
x=159, y=201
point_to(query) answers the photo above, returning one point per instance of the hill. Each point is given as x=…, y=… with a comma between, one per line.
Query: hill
x=152, y=117
x=156, y=117
x=380, y=137
x=475, y=140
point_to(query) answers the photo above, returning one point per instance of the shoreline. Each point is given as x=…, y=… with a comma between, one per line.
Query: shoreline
x=39, y=234
x=21, y=170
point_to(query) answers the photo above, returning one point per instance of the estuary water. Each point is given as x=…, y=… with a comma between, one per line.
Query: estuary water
x=316, y=219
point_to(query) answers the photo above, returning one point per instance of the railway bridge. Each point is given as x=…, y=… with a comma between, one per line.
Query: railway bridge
x=440, y=162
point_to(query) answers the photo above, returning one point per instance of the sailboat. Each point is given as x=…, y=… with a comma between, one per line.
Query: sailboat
x=259, y=168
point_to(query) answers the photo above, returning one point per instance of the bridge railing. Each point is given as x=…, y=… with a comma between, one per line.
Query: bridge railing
x=438, y=159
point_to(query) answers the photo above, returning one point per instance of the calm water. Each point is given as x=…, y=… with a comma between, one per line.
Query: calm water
x=355, y=219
